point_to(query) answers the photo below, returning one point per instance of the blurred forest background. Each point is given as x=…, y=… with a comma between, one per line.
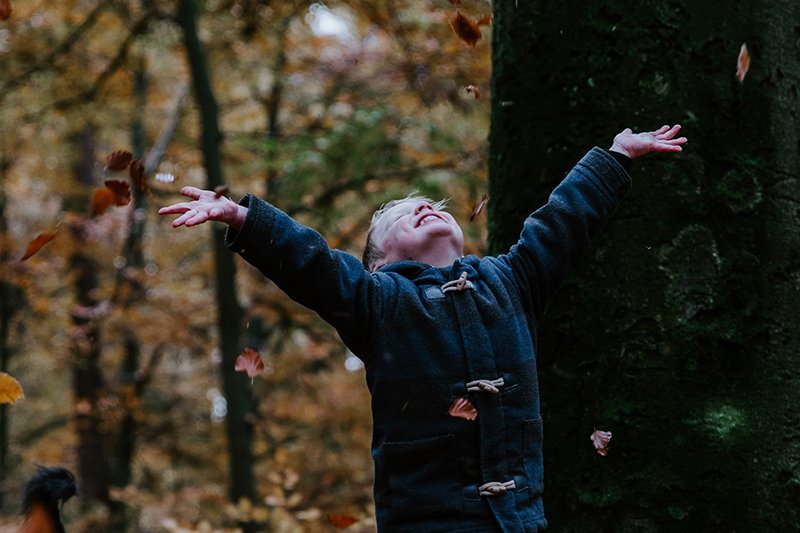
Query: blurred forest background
x=678, y=331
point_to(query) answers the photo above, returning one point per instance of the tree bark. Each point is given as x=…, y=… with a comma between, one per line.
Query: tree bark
x=677, y=331
x=235, y=385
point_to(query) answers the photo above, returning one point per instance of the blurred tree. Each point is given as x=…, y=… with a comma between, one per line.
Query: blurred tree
x=678, y=331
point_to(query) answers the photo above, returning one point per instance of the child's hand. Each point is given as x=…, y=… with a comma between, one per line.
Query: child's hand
x=635, y=145
x=207, y=205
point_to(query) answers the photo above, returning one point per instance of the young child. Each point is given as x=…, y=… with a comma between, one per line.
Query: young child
x=448, y=342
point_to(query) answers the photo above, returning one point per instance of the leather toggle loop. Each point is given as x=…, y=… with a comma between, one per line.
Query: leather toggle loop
x=496, y=488
x=485, y=385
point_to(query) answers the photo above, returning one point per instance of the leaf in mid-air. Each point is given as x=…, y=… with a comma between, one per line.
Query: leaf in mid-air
x=478, y=207
x=466, y=28
x=743, y=63
x=5, y=9
x=474, y=91
x=249, y=361
x=138, y=175
x=341, y=521
x=10, y=389
x=600, y=440
x=221, y=190
x=118, y=160
x=36, y=244
x=102, y=199
x=121, y=190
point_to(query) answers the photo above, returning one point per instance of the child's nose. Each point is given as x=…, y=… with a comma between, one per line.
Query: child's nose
x=422, y=206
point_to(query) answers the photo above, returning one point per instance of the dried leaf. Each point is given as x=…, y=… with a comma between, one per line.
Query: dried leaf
x=479, y=207
x=121, y=190
x=102, y=199
x=600, y=440
x=249, y=361
x=743, y=63
x=341, y=521
x=474, y=91
x=10, y=389
x=138, y=175
x=36, y=244
x=5, y=9
x=221, y=190
x=466, y=28
x=463, y=408
x=118, y=160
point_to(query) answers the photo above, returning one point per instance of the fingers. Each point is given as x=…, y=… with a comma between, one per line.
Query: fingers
x=192, y=192
x=189, y=218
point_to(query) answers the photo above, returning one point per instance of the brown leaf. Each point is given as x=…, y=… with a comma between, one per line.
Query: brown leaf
x=249, y=361
x=118, y=160
x=485, y=20
x=479, y=207
x=474, y=91
x=5, y=9
x=10, y=389
x=138, y=175
x=341, y=521
x=466, y=28
x=121, y=190
x=743, y=63
x=600, y=440
x=36, y=244
x=463, y=408
x=102, y=199
x=221, y=190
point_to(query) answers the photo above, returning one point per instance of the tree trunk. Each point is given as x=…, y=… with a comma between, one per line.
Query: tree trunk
x=236, y=386
x=677, y=331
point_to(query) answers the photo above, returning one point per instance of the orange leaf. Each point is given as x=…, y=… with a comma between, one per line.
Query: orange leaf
x=466, y=28
x=249, y=361
x=341, y=521
x=102, y=199
x=36, y=244
x=10, y=389
x=463, y=408
x=600, y=440
x=471, y=89
x=121, y=190
x=5, y=9
x=479, y=207
x=138, y=175
x=743, y=63
x=118, y=160
x=221, y=190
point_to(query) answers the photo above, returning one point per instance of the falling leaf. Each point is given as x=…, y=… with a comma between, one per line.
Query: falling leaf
x=249, y=361
x=743, y=63
x=165, y=177
x=479, y=207
x=121, y=190
x=466, y=28
x=474, y=91
x=102, y=199
x=118, y=160
x=5, y=9
x=341, y=521
x=600, y=440
x=36, y=244
x=463, y=408
x=221, y=190
x=138, y=175
x=10, y=389
x=485, y=20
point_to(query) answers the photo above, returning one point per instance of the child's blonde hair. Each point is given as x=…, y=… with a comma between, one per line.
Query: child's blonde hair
x=372, y=253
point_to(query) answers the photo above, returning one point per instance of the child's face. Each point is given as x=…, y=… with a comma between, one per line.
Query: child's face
x=415, y=230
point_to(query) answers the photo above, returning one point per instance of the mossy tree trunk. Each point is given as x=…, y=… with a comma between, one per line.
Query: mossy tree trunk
x=678, y=331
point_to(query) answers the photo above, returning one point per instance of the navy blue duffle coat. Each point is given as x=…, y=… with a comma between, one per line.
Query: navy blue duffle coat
x=427, y=340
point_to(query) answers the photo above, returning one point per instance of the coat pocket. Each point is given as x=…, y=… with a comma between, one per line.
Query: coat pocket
x=421, y=475
x=532, y=456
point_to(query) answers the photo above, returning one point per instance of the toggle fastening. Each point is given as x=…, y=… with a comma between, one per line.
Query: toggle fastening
x=496, y=488
x=458, y=284
x=485, y=385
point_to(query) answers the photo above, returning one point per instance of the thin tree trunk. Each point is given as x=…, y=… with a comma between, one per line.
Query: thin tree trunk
x=677, y=331
x=235, y=385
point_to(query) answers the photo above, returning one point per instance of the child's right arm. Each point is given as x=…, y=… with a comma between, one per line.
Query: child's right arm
x=295, y=257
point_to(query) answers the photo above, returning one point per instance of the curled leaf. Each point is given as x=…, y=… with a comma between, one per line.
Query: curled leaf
x=138, y=175
x=463, y=408
x=743, y=63
x=466, y=28
x=474, y=91
x=118, y=160
x=341, y=521
x=5, y=9
x=121, y=190
x=102, y=199
x=600, y=440
x=36, y=244
x=10, y=389
x=221, y=190
x=249, y=361
x=479, y=207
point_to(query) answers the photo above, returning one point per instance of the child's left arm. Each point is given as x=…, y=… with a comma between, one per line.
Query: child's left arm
x=555, y=235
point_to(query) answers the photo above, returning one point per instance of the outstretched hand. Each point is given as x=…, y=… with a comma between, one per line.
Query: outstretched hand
x=636, y=145
x=206, y=205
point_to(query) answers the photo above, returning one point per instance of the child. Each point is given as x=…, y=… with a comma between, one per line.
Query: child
x=448, y=342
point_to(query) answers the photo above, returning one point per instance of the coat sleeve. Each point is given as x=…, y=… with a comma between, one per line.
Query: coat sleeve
x=298, y=260
x=555, y=235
